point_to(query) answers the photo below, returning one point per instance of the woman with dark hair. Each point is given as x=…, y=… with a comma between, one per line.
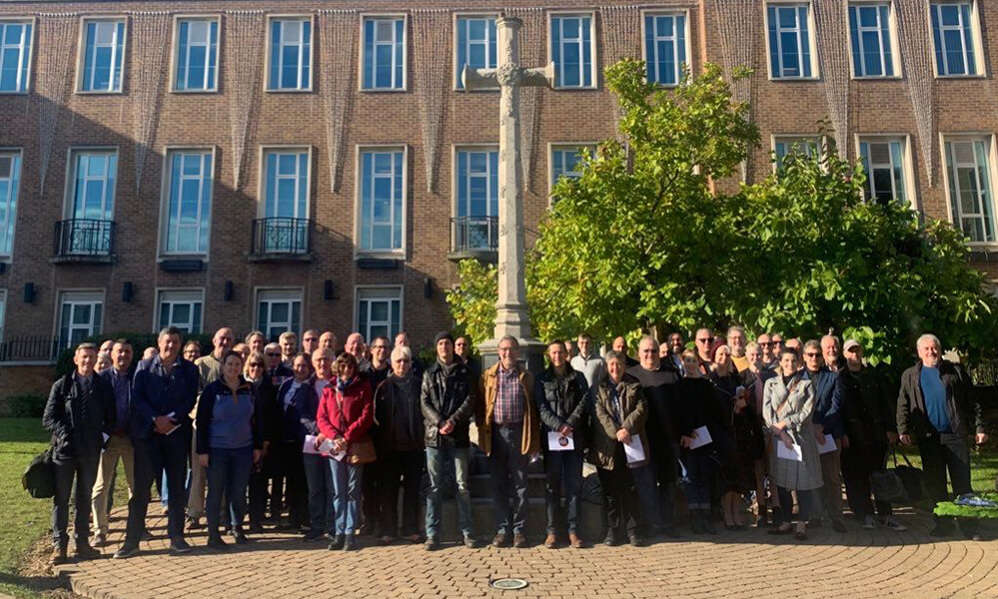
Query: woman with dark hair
x=229, y=443
x=345, y=416
x=255, y=373
x=699, y=408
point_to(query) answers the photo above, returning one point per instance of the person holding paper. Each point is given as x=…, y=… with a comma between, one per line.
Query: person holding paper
x=80, y=413
x=754, y=379
x=828, y=432
x=310, y=481
x=447, y=401
x=398, y=438
x=563, y=408
x=787, y=410
x=346, y=413
x=163, y=392
x=620, y=414
x=255, y=373
x=509, y=434
x=229, y=444
x=699, y=420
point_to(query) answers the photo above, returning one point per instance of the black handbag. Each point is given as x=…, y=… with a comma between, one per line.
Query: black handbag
x=911, y=478
x=900, y=484
x=39, y=477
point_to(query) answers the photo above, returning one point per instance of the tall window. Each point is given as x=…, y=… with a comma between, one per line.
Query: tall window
x=80, y=316
x=884, y=162
x=188, y=208
x=10, y=176
x=477, y=199
x=476, y=45
x=870, y=33
x=379, y=311
x=970, y=192
x=103, y=56
x=278, y=310
x=15, y=56
x=790, y=49
x=565, y=161
x=181, y=309
x=290, y=54
x=197, y=55
x=94, y=176
x=572, y=49
x=382, y=200
x=953, y=38
x=665, y=48
x=384, y=53
x=784, y=145
x=286, y=200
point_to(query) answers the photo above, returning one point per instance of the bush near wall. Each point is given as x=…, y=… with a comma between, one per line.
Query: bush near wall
x=24, y=405
x=139, y=341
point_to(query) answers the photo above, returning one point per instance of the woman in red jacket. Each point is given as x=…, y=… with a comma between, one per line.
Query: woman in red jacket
x=345, y=415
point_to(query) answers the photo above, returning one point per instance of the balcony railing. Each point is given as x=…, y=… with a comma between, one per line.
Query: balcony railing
x=84, y=238
x=474, y=234
x=282, y=237
x=30, y=348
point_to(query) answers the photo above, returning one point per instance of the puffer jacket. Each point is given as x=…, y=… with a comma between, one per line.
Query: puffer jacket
x=562, y=401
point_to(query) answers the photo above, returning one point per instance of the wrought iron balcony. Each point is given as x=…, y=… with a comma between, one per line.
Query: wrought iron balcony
x=474, y=237
x=282, y=239
x=84, y=240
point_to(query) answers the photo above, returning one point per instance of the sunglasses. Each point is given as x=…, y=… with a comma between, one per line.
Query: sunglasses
x=256, y=365
x=270, y=355
x=707, y=340
x=767, y=344
x=812, y=355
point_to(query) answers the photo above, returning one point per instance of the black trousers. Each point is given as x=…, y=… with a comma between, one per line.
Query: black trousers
x=400, y=469
x=370, y=497
x=292, y=467
x=259, y=486
x=84, y=470
x=941, y=454
x=620, y=500
x=858, y=463
x=166, y=453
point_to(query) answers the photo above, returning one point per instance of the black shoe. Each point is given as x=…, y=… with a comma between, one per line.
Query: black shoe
x=337, y=543
x=671, y=532
x=239, y=537
x=838, y=526
x=431, y=544
x=86, y=552
x=179, y=547
x=942, y=530
x=255, y=528
x=349, y=544
x=707, y=525
x=611, y=539
x=814, y=523
x=637, y=541
x=217, y=542
x=127, y=550
x=312, y=535
x=366, y=529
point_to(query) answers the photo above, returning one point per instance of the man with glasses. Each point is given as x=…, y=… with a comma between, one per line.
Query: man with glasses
x=309, y=341
x=778, y=345
x=736, y=343
x=277, y=371
x=705, y=345
x=765, y=342
x=828, y=431
x=380, y=368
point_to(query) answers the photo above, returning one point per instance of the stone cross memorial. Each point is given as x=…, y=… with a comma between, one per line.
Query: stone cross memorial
x=511, y=308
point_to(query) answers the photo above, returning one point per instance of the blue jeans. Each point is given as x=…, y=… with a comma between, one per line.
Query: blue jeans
x=644, y=484
x=228, y=475
x=564, y=466
x=437, y=458
x=508, y=469
x=346, y=495
x=319, y=478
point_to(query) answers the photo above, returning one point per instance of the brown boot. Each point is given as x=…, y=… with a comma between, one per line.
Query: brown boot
x=551, y=542
x=58, y=557
x=575, y=541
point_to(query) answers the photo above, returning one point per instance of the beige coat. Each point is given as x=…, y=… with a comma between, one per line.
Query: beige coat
x=795, y=407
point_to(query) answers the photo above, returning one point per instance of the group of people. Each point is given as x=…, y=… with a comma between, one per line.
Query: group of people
x=247, y=430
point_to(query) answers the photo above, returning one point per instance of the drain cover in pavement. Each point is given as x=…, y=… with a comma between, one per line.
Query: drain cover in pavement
x=508, y=584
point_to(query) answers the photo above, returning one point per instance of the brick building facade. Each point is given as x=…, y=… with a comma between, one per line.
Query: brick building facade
x=315, y=163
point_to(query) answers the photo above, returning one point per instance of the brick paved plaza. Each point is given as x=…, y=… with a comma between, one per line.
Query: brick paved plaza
x=750, y=563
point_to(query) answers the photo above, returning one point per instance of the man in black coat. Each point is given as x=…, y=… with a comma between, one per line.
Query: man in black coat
x=81, y=414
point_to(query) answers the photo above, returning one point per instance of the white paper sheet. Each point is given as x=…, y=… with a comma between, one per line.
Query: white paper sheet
x=702, y=438
x=326, y=448
x=634, y=451
x=558, y=443
x=829, y=445
x=791, y=453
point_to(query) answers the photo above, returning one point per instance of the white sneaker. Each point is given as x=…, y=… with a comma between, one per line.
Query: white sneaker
x=893, y=524
x=868, y=523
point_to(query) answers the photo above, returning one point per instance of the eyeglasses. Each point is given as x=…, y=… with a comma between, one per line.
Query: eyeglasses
x=767, y=344
x=812, y=355
x=707, y=340
x=378, y=347
x=256, y=365
x=402, y=361
x=270, y=355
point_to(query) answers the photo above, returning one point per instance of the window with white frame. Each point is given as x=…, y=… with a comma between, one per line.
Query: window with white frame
x=80, y=316
x=182, y=309
x=476, y=45
x=565, y=160
x=188, y=207
x=884, y=162
x=477, y=198
x=382, y=200
x=572, y=50
x=286, y=200
x=790, y=41
x=379, y=311
x=384, y=53
x=870, y=35
x=10, y=177
x=968, y=169
x=665, y=47
x=103, y=55
x=3, y=310
x=15, y=56
x=197, y=55
x=801, y=145
x=290, y=54
x=94, y=175
x=278, y=310
x=953, y=38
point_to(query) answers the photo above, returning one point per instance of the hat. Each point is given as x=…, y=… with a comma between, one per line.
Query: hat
x=443, y=335
x=851, y=344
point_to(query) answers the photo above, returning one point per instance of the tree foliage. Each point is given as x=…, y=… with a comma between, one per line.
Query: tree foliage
x=645, y=238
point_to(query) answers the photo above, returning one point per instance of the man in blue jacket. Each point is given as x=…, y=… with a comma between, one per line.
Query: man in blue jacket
x=163, y=394
x=828, y=430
